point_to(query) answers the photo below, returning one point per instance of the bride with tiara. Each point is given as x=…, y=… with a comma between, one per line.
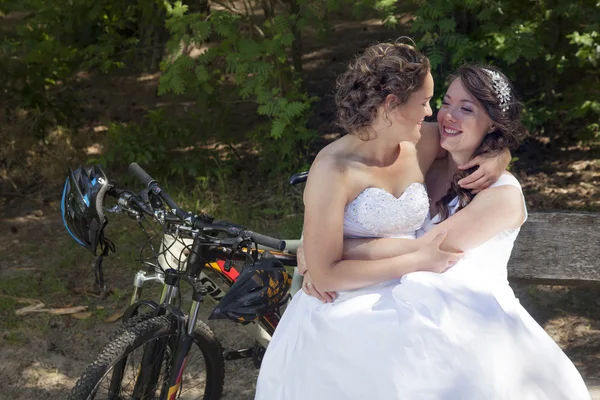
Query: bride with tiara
x=431, y=317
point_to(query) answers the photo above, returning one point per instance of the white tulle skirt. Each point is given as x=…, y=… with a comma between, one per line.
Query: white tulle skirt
x=429, y=336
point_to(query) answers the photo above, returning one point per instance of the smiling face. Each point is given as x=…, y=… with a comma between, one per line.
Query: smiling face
x=376, y=84
x=462, y=121
x=412, y=113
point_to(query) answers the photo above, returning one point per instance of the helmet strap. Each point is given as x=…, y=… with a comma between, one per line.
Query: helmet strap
x=99, y=274
x=106, y=246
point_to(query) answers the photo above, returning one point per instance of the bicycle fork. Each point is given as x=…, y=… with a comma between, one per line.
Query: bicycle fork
x=185, y=338
x=184, y=343
x=156, y=350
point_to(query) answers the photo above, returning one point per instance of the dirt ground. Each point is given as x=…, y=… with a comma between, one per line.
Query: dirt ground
x=41, y=355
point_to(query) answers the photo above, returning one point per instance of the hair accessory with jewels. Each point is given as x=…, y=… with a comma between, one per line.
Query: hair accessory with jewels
x=501, y=88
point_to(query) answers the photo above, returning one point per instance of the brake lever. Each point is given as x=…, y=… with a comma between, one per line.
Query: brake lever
x=116, y=209
x=150, y=198
x=233, y=243
x=113, y=191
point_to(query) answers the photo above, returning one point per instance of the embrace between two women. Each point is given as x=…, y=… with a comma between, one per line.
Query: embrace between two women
x=406, y=293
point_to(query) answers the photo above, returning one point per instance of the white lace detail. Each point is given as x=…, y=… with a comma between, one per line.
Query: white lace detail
x=381, y=213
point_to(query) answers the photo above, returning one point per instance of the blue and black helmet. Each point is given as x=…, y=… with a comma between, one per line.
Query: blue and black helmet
x=81, y=206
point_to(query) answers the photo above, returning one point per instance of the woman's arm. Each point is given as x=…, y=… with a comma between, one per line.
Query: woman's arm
x=325, y=198
x=378, y=248
x=489, y=213
x=491, y=167
x=492, y=211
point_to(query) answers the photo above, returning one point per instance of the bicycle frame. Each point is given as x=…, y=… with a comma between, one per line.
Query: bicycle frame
x=178, y=250
x=174, y=252
x=189, y=244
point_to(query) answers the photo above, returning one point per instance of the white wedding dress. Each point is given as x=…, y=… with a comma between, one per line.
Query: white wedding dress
x=460, y=335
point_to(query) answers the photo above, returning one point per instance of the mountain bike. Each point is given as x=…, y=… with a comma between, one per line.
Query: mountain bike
x=159, y=351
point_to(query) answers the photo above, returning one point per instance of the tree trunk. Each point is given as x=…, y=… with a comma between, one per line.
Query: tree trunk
x=268, y=10
x=152, y=34
x=198, y=6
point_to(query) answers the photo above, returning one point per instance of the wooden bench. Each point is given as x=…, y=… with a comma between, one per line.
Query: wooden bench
x=559, y=248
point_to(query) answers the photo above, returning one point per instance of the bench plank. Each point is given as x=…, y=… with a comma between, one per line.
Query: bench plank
x=557, y=248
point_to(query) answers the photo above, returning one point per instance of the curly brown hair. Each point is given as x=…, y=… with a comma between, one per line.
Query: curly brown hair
x=383, y=69
x=508, y=132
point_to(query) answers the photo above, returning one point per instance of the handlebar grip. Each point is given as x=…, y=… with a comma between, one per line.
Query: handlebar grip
x=268, y=241
x=139, y=173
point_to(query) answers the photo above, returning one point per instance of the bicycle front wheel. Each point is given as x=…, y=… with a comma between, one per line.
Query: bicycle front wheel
x=114, y=373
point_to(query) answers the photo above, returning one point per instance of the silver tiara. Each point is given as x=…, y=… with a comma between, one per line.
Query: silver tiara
x=501, y=88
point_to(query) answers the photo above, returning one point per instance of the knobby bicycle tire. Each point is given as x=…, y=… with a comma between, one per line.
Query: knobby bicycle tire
x=131, y=322
x=135, y=336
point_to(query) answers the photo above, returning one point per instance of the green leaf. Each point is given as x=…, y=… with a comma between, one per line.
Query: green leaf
x=202, y=74
x=268, y=109
x=246, y=91
x=282, y=24
x=447, y=26
x=390, y=21
x=177, y=10
x=295, y=109
x=201, y=30
x=262, y=68
x=278, y=128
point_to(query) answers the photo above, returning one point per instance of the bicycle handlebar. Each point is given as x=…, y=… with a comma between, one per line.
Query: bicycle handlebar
x=193, y=220
x=139, y=173
x=147, y=180
x=267, y=240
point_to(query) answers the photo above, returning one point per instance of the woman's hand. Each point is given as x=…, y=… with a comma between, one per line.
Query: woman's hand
x=490, y=169
x=431, y=258
x=307, y=284
x=301, y=260
x=310, y=289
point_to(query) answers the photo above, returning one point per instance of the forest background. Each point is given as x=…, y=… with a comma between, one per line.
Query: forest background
x=221, y=101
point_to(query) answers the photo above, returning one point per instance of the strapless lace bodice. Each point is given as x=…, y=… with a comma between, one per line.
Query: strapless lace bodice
x=376, y=212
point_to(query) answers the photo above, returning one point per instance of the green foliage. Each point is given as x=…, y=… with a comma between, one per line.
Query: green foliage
x=589, y=46
x=537, y=44
x=241, y=66
x=267, y=204
x=588, y=54
x=54, y=40
x=249, y=57
x=158, y=141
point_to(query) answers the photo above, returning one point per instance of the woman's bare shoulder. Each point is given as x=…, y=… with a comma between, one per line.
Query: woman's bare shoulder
x=333, y=156
x=505, y=197
x=336, y=165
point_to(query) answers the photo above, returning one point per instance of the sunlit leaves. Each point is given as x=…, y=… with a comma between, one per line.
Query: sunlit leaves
x=588, y=47
x=176, y=10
